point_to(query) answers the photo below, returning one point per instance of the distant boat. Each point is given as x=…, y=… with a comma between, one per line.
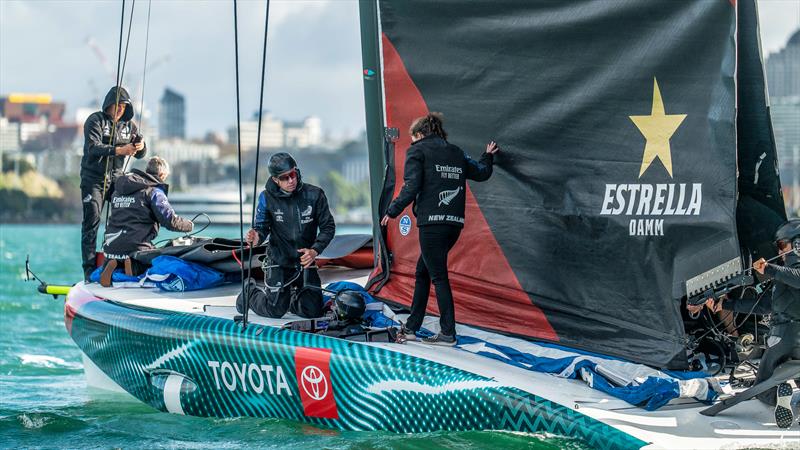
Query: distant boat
x=221, y=203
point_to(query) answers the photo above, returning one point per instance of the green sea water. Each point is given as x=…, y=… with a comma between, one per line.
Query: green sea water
x=45, y=403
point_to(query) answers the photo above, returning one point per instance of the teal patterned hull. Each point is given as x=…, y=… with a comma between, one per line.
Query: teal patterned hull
x=205, y=366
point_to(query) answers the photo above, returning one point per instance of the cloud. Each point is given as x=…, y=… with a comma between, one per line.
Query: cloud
x=313, y=56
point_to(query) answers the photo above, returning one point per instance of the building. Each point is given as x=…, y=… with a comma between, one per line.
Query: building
x=9, y=136
x=177, y=150
x=276, y=133
x=24, y=108
x=172, y=115
x=33, y=114
x=355, y=169
x=304, y=134
x=271, y=132
x=783, y=69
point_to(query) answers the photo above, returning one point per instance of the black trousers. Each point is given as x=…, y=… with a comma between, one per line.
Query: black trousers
x=787, y=347
x=297, y=296
x=435, y=242
x=92, y=198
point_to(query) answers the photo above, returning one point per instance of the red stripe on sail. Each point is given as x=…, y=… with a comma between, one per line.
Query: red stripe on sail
x=486, y=291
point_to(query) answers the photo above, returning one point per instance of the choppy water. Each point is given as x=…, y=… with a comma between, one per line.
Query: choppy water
x=44, y=401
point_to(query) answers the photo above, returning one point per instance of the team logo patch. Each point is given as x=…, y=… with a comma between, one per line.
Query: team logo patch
x=312, y=366
x=445, y=197
x=405, y=225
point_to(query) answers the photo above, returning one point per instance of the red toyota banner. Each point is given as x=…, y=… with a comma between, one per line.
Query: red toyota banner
x=312, y=366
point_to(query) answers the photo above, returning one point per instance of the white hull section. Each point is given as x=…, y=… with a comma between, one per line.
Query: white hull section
x=676, y=425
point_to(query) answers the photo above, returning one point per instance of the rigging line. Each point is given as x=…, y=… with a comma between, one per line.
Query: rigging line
x=144, y=78
x=112, y=140
x=239, y=153
x=127, y=43
x=120, y=75
x=258, y=149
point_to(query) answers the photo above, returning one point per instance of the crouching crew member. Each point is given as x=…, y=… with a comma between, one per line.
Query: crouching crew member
x=783, y=343
x=295, y=220
x=139, y=206
x=435, y=179
x=110, y=136
x=783, y=304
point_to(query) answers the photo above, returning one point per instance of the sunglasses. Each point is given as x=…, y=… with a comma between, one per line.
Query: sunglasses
x=287, y=176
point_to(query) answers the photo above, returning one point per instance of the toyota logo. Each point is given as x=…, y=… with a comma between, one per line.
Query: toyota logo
x=314, y=383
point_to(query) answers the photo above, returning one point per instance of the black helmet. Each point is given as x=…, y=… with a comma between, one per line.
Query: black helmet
x=280, y=163
x=788, y=232
x=349, y=305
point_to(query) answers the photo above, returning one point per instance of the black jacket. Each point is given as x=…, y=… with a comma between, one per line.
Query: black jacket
x=97, y=146
x=138, y=206
x=783, y=302
x=300, y=219
x=435, y=179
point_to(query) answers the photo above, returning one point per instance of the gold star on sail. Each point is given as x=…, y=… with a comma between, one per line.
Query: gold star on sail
x=657, y=128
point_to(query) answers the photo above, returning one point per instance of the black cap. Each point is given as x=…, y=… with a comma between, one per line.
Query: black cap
x=280, y=163
x=788, y=231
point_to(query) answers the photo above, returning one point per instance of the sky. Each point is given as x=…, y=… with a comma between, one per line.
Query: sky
x=313, y=55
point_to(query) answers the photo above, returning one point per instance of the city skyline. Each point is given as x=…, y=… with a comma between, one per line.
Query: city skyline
x=191, y=51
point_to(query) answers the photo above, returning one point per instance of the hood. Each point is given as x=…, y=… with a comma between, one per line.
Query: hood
x=124, y=97
x=136, y=181
x=273, y=188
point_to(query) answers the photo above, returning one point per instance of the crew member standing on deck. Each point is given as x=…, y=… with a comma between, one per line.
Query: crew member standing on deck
x=110, y=136
x=435, y=179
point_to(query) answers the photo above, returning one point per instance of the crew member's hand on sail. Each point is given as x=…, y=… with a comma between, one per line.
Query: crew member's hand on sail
x=492, y=148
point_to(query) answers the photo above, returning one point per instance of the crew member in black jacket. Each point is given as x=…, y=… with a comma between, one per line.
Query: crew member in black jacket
x=295, y=218
x=435, y=179
x=782, y=302
x=110, y=136
x=139, y=206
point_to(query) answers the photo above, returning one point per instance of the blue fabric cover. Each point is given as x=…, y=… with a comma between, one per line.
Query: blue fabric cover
x=174, y=274
x=118, y=276
x=651, y=394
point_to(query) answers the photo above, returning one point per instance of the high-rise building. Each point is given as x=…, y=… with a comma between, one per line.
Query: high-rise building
x=172, y=115
x=783, y=69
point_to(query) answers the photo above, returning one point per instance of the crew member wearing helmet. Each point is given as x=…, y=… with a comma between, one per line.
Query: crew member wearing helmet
x=783, y=343
x=294, y=219
x=783, y=303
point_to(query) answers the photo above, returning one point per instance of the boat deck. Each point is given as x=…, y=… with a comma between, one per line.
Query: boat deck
x=676, y=425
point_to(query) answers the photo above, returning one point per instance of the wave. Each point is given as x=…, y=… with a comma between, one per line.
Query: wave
x=46, y=361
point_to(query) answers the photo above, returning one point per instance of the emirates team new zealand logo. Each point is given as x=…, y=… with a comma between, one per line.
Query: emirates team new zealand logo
x=445, y=197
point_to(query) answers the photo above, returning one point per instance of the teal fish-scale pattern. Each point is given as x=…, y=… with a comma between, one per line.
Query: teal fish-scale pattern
x=374, y=388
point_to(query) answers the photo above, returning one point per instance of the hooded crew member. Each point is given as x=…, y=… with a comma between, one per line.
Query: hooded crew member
x=109, y=137
x=139, y=207
x=295, y=219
